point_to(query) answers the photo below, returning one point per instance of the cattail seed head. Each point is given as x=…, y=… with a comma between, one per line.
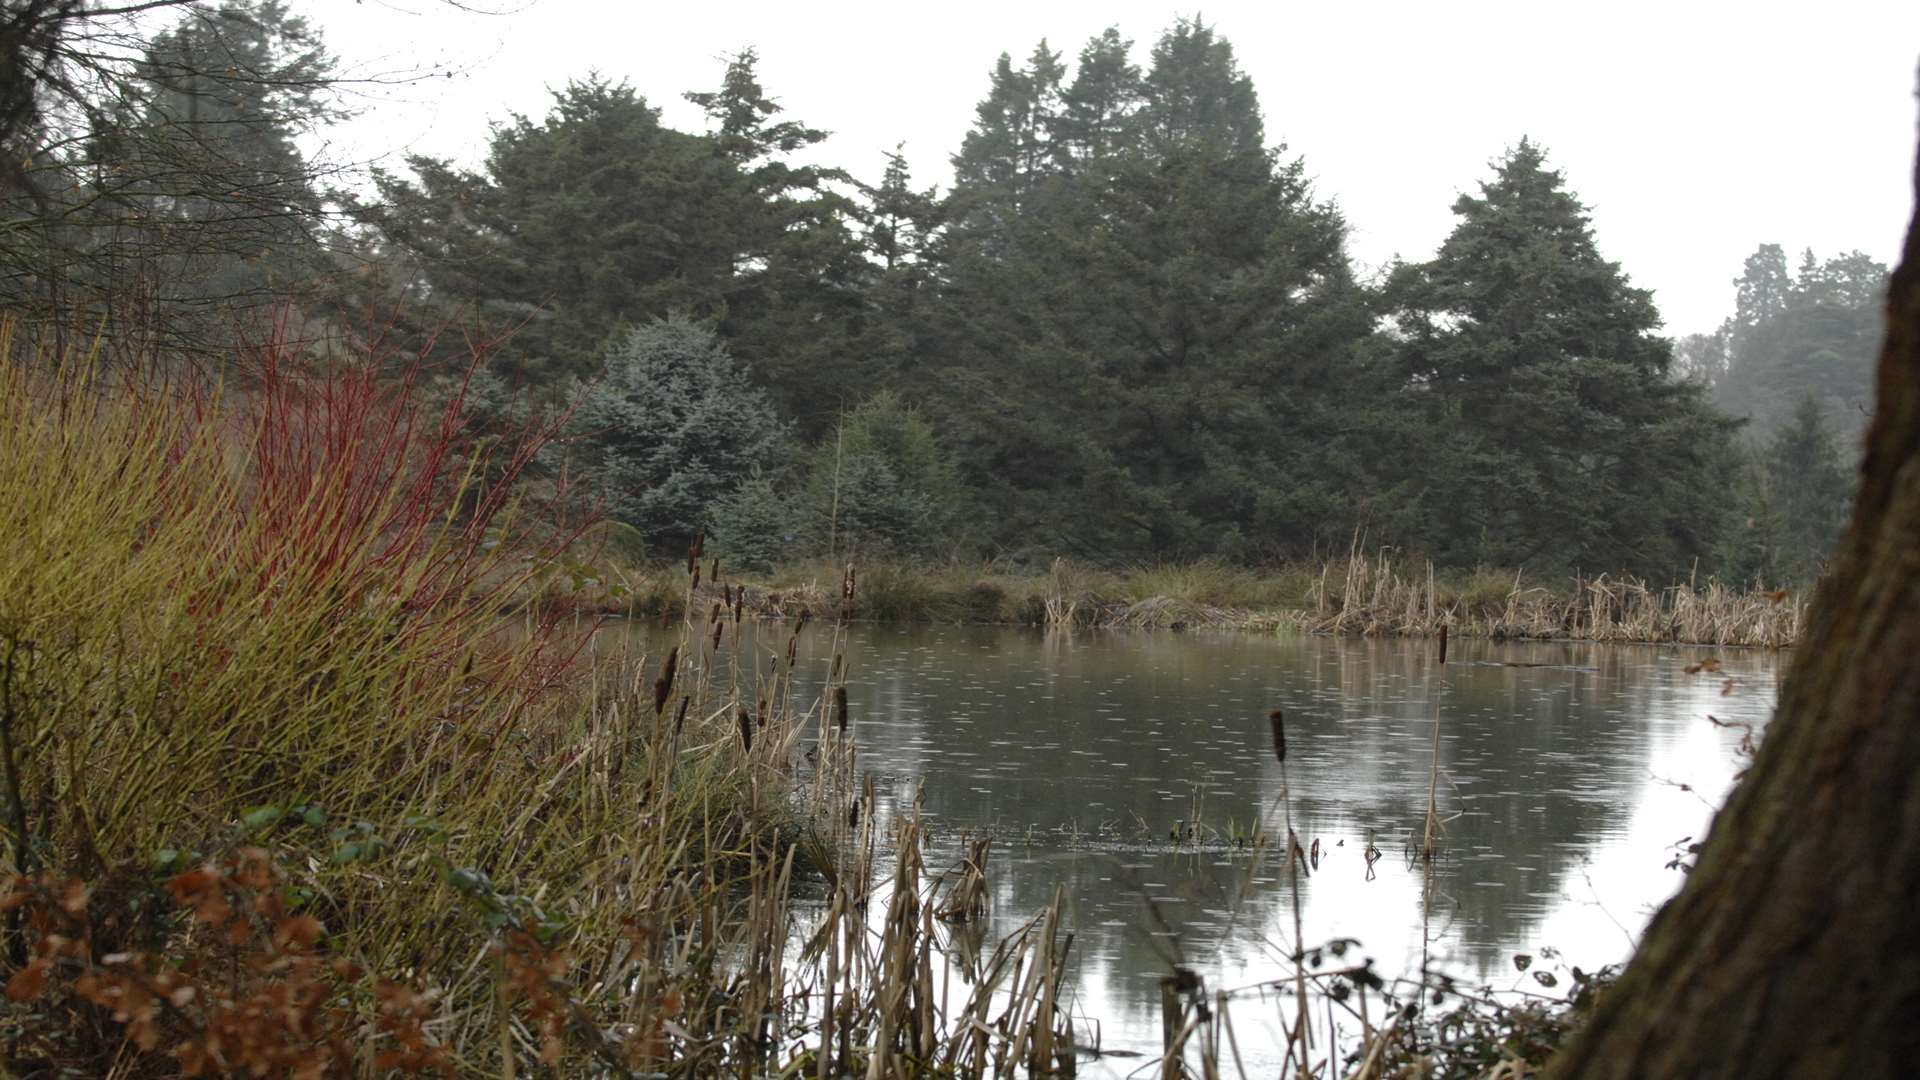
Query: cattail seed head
x=663, y=686
x=1279, y=721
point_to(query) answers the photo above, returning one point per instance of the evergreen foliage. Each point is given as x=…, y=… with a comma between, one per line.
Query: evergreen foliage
x=1148, y=308
x=793, y=300
x=1552, y=432
x=1794, y=335
x=1133, y=320
x=673, y=428
x=1795, y=362
x=882, y=484
x=230, y=90
x=576, y=224
x=599, y=216
x=752, y=526
x=1806, y=495
x=1748, y=550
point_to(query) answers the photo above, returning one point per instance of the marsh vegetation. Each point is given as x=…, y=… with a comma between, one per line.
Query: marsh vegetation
x=653, y=605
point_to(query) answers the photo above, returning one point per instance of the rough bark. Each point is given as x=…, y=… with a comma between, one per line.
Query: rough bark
x=1793, y=950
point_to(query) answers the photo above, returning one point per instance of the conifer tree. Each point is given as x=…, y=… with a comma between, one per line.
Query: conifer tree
x=881, y=484
x=1097, y=110
x=578, y=223
x=598, y=216
x=794, y=305
x=1811, y=489
x=1559, y=438
x=902, y=230
x=1810, y=333
x=1148, y=346
x=1007, y=161
x=672, y=430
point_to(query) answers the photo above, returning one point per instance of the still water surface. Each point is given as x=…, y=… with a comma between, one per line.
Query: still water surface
x=1571, y=774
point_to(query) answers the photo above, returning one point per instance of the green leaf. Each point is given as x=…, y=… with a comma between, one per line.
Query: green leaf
x=261, y=818
x=469, y=880
x=424, y=823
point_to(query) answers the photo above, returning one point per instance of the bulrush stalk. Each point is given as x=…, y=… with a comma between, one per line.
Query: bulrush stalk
x=663, y=686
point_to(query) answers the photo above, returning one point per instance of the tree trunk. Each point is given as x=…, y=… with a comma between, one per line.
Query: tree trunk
x=1793, y=950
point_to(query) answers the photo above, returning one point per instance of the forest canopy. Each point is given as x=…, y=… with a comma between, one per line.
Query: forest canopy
x=1128, y=331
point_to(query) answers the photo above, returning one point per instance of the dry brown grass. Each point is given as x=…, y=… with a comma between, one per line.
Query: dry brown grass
x=1374, y=596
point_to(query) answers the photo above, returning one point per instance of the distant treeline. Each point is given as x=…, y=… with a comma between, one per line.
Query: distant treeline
x=1129, y=331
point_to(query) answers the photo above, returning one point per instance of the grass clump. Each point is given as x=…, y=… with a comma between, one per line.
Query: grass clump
x=280, y=714
x=305, y=775
x=218, y=597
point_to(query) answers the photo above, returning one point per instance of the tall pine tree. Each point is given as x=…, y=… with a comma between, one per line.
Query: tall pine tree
x=595, y=217
x=1555, y=434
x=599, y=217
x=1145, y=345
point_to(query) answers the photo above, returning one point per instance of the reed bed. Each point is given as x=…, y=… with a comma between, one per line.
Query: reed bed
x=1372, y=595
x=1365, y=594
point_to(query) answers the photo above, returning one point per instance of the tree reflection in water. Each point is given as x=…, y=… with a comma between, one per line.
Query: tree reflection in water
x=1133, y=768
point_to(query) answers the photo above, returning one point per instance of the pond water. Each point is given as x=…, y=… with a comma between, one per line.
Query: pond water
x=1570, y=775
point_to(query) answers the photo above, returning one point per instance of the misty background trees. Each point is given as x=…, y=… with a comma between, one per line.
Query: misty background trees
x=1129, y=331
x=152, y=181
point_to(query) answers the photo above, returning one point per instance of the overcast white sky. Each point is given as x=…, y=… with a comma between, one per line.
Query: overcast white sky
x=1694, y=131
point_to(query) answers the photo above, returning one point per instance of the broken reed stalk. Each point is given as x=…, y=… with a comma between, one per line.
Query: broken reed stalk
x=880, y=996
x=967, y=901
x=1293, y=856
x=1430, y=831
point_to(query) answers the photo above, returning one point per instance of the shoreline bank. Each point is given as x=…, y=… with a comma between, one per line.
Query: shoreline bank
x=1358, y=596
